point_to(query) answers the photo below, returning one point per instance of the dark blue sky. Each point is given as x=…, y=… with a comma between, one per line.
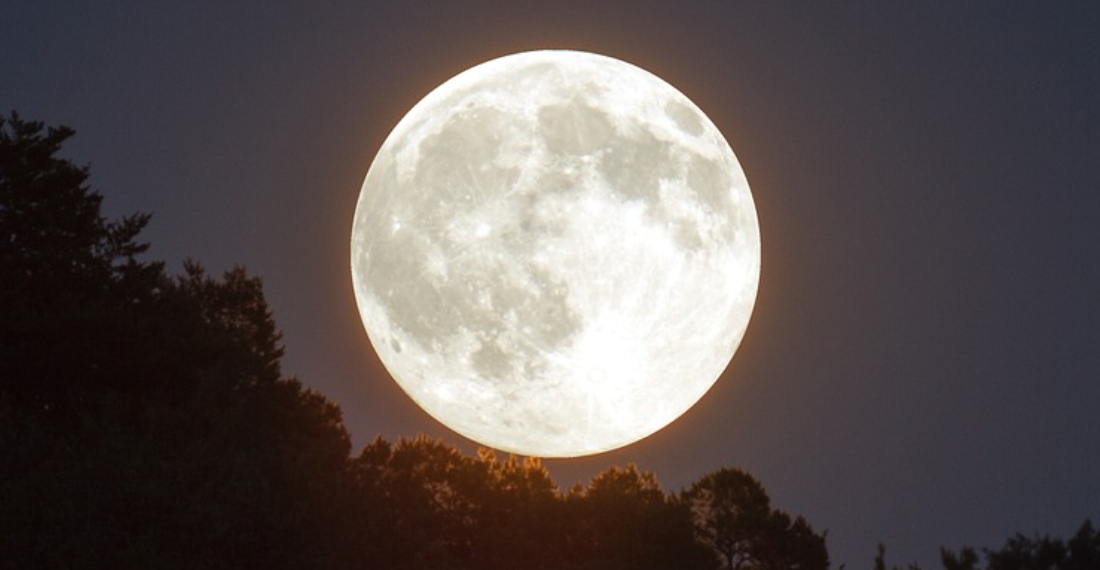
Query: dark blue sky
x=923, y=366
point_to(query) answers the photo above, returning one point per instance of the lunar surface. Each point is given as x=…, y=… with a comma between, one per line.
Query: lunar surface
x=555, y=253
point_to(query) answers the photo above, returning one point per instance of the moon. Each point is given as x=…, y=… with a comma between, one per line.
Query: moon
x=555, y=253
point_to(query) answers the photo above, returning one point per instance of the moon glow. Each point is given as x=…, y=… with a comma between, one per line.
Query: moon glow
x=555, y=253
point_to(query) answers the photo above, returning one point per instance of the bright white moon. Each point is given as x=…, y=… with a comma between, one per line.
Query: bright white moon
x=555, y=253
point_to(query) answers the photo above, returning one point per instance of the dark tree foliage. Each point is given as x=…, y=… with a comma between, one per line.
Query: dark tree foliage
x=72, y=292
x=787, y=544
x=733, y=516
x=1080, y=552
x=433, y=507
x=438, y=508
x=624, y=520
x=520, y=518
x=731, y=511
x=143, y=418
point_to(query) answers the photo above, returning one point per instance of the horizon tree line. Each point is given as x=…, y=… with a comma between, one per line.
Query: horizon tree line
x=145, y=422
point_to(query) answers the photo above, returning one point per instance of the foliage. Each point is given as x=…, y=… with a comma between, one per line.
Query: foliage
x=732, y=515
x=72, y=290
x=1080, y=552
x=143, y=418
x=627, y=521
x=439, y=507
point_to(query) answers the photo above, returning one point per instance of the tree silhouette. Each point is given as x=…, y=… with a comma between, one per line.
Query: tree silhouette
x=439, y=508
x=730, y=510
x=1080, y=552
x=624, y=520
x=789, y=544
x=143, y=418
x=733, y=516
x=70, y=282
x=520, y=517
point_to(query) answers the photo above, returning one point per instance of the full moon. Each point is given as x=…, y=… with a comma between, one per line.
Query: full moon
x=555, y=253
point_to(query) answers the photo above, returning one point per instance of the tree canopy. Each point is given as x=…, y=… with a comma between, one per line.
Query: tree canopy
x=1080, y=552
x=144, y=420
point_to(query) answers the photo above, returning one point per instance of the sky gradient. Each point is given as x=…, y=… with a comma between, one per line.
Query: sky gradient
x=921, y=368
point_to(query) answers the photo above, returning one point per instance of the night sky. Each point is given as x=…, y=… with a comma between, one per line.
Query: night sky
x=923, y=363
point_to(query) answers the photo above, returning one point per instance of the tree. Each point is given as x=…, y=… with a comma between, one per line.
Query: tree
x=520, y=519
x=623, y=519
x=1083, y=548
x=788, y=544
x=730, y=510
x=144, y=421
x=428, y=492
x=1080, y=552
x=71, y=286
x=733, y=516
x=435, y=507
